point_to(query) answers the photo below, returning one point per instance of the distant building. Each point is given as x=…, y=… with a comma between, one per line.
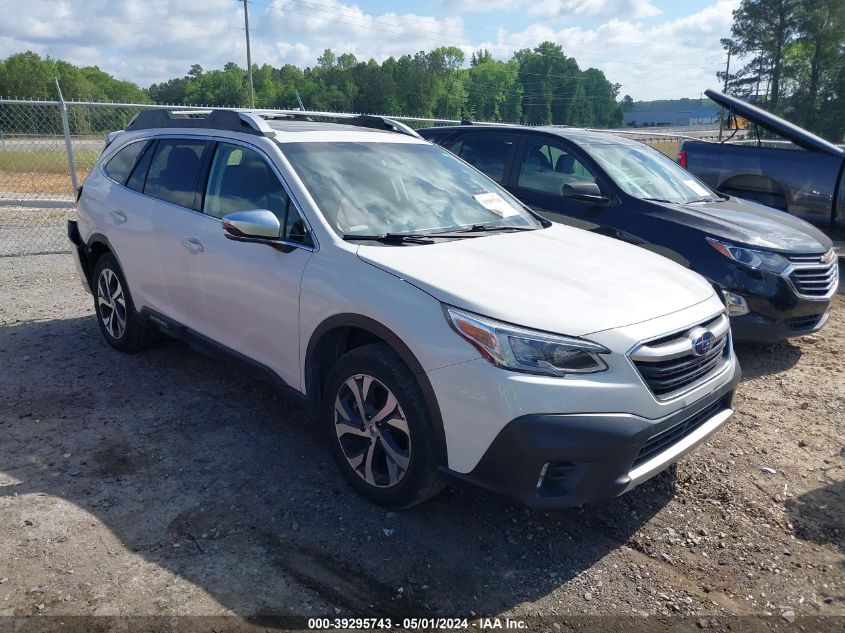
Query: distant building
x=670, y=118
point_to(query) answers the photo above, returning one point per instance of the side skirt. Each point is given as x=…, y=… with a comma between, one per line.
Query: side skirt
x=213, y=349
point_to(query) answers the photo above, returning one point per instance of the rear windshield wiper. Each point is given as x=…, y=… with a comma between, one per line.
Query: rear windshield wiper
x=393, y=238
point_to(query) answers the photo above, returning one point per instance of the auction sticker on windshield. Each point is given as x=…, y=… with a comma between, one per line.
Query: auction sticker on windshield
x=692, y=184
x=492, y=201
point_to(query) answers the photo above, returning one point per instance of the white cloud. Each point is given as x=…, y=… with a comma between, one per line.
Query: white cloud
x=633, y=9
x=675, y=58
x=152, y=40
x=482, y=6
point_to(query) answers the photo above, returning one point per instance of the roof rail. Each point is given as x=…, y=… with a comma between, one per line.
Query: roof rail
x=230, y=120
x=380, y=123
x=250, y=122
x=466, y=121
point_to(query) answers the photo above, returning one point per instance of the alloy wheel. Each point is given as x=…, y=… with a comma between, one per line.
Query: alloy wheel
x=372, y=430
x=111, y=303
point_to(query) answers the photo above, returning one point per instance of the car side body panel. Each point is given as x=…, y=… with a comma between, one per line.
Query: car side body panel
x=805, y=184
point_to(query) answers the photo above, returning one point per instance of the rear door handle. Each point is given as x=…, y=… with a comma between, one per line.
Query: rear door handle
x=119, y=217
x=193, y=245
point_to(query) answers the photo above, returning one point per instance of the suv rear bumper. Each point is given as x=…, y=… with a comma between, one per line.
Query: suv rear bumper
x=555, y=461
x=80, y=254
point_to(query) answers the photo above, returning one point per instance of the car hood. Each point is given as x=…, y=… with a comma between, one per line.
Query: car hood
x=559, y=279
x=748, y=223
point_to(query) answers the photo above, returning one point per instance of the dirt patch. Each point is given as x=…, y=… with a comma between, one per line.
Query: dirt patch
x=165, y=484
x=15, y=185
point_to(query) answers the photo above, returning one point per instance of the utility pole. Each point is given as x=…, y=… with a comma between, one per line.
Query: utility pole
x=725, y=90
x=248, y=56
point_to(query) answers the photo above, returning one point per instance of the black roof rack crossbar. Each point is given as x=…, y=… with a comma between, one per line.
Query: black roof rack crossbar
x=229, y=120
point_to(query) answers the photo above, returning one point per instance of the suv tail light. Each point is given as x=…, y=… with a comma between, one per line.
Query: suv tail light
x=682, y=159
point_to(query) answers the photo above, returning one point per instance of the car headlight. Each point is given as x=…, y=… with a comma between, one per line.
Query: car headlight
x=760, y=260
x=530, y=351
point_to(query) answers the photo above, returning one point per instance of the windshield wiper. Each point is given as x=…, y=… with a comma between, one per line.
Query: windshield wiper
x=429, y=237
x=482, y=228
x=702, y=200
x=660, y=200
x=393, y=238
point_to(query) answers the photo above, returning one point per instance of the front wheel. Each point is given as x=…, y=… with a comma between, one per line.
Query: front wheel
x=380, y=429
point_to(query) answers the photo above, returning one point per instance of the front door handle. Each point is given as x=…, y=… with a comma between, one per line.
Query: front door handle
x=119, y=217
x=193, y=245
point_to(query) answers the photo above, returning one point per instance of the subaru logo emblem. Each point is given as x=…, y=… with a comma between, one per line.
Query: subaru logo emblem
x=702, y=341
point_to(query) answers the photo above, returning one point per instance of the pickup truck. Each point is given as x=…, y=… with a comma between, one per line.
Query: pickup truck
x=804, y=178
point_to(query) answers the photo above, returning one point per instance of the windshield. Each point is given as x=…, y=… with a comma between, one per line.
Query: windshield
x=643, y=172
x=381, y=188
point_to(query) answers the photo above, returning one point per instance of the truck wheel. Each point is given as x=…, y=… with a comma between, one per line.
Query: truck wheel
x=379, y=428
x=121, y=326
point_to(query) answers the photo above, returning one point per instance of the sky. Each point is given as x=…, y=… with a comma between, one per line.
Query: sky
x=657, y=49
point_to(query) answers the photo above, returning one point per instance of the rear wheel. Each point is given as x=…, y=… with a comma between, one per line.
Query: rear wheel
x=122, y=328
x=379, y=428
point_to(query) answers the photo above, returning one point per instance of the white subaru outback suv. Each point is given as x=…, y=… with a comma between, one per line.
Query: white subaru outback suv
x=433, y=325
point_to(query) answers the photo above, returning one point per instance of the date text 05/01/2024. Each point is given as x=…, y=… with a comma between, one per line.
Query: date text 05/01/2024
x=417, y=623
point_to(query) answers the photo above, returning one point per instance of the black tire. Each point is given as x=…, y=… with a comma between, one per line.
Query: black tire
x=419, y=481
x=134, y=334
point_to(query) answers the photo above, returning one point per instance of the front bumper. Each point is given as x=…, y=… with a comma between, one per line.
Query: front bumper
x=776, y=311
x=557, y=461
x=756, y=327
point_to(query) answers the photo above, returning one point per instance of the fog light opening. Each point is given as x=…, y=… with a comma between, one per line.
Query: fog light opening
x=735, y=303
x=543, y=471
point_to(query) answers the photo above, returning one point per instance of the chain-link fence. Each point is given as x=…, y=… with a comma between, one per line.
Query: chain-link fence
x=48, y=147
x=37, y=142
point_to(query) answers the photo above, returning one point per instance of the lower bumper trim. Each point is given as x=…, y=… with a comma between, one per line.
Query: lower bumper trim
x=672, y=454
x=549, y=461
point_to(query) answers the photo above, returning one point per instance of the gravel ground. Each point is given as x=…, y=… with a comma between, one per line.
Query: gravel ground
x=166, y=484
x=30, y=229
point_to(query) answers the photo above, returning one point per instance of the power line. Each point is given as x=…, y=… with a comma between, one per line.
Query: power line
x=181, y=25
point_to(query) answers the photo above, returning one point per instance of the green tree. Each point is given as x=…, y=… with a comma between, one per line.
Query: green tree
x=763, y=29
x=26, y=75
x=551, y=83
x=490, y=88
x=542, y=85
x=816, y=58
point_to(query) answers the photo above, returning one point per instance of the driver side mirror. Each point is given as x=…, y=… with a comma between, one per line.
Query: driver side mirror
x=259, y=226
x=584, y=192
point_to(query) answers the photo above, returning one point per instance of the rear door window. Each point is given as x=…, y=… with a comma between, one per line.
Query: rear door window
x=174, y=170
x=120, y=165
x=139, y=174
x=488, y=153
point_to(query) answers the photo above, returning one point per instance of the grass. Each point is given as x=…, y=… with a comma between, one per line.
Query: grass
x=44, y=161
